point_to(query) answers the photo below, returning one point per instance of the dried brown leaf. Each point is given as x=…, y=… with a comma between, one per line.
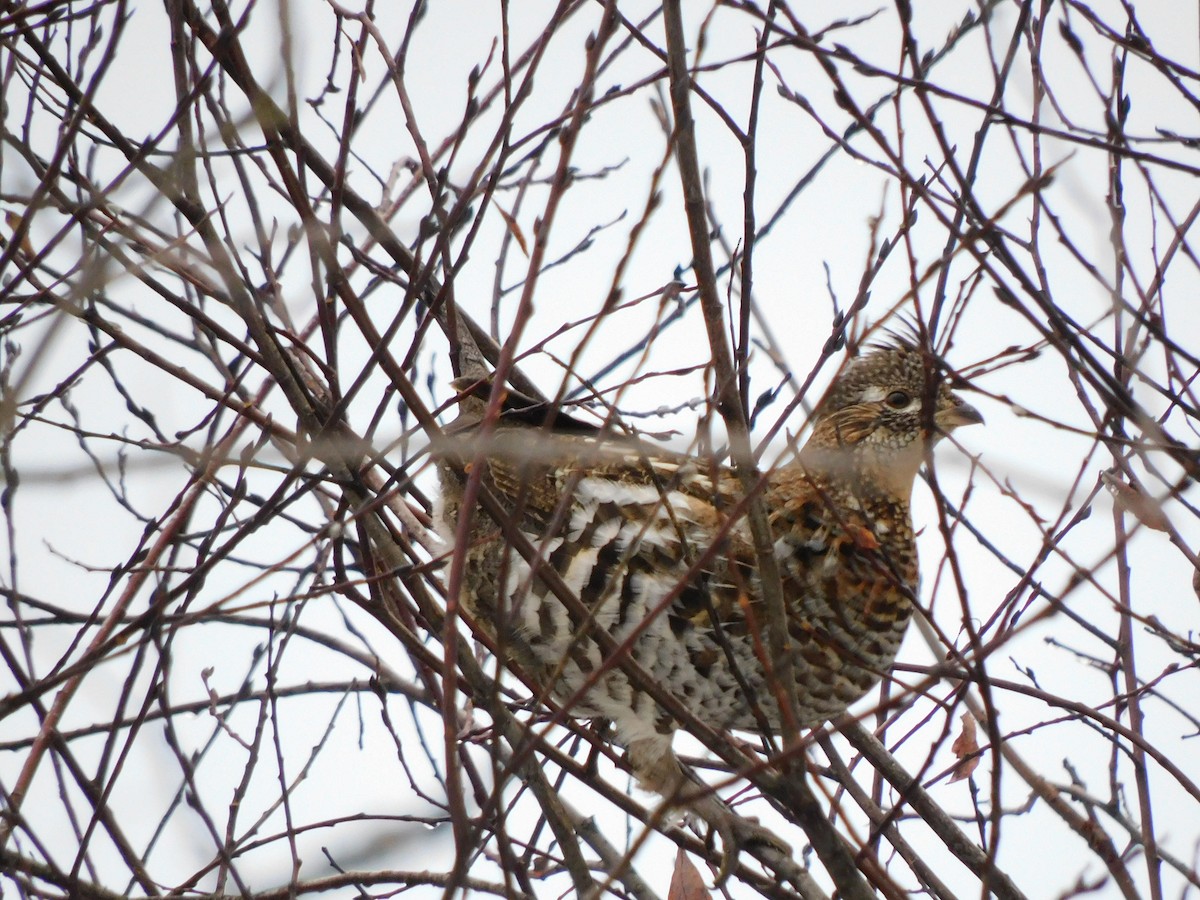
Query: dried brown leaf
x=966, y=748
x=14, y=222
x=686, y=881
x=862, y=537
x=514, y=229
x=1141, y=506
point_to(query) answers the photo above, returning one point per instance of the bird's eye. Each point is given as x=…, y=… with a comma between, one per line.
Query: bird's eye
x=898, y=399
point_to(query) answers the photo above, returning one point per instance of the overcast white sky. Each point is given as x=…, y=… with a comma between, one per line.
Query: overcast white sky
x=67, y=531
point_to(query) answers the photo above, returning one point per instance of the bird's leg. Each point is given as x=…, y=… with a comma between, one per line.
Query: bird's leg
x=658, y=769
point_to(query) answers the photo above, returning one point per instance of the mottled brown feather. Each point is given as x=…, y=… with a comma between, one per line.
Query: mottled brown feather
x=650, y=542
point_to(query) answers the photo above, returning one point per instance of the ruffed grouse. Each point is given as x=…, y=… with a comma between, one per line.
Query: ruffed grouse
x=631, y=531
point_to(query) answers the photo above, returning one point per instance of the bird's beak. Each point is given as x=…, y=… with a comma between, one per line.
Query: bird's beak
x=958, y=415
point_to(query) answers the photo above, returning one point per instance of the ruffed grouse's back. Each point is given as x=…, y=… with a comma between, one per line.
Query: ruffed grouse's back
x=652, y=541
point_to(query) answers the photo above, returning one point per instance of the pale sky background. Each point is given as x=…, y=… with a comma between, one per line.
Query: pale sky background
x=69, y=532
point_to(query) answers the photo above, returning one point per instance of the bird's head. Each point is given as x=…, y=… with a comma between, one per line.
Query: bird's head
x=882, y=414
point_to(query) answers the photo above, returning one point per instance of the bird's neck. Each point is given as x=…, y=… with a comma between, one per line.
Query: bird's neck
x=886, y=474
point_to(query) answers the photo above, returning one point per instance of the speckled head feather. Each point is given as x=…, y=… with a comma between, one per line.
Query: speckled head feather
x=897, y=361
x=893, y=378
x=878, y=407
